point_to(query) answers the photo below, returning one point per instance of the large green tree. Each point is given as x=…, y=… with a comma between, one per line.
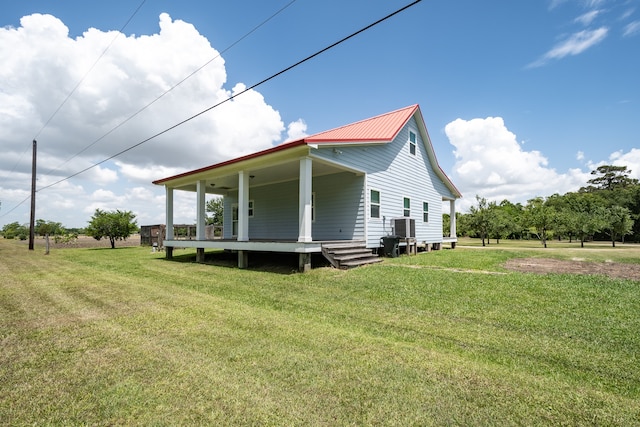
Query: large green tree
x=617, y=222
x=610, y=177
x=114, y=225
x=479, y=220
x=583, y=214
x=540, y=218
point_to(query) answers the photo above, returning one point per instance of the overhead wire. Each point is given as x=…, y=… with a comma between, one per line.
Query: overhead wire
x=70, y=94
x=271, y=77
x=119, y=125
x=254, y=29
x=90, y=69
x=234, y=95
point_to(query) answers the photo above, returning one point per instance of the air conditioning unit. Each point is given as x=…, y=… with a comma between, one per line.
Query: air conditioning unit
x=404, y=227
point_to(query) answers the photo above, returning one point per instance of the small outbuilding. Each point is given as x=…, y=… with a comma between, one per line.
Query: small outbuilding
x=151, y=235
x=336, y=192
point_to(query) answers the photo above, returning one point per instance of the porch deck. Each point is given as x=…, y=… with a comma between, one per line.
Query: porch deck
x=303, y=249
x=258, y=245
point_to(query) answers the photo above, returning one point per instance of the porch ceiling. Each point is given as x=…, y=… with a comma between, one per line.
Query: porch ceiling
x=218, y=182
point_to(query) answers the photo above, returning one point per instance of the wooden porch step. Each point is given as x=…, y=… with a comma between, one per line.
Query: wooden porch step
x=348, y=254
x=358, y=263
x=351, y=256
x=344, y=246
x=349, y=251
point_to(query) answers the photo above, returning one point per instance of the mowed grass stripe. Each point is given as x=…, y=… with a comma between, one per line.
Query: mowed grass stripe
x=121, y=337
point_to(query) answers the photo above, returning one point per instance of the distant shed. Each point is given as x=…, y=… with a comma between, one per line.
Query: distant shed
x=150, y=235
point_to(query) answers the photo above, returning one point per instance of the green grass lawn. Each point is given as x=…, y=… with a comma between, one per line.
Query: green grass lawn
x=113, y=337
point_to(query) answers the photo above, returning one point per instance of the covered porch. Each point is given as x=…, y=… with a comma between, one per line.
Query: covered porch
x=241, y=179
x=243, y=248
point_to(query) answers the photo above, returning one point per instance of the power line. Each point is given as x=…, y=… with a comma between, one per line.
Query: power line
x=143, y=108
x=80, y=82
x=69, y=96
x=90, y=69
x=16, y=206
x=173, y=87
x=235, y=95
x=231, y=97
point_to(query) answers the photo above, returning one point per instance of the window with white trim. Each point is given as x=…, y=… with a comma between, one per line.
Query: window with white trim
x=425, y=211
x=374, y=202
x=406, y=211
x=413, y=138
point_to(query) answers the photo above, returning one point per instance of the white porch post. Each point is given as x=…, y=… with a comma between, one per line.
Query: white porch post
x=169, y=213
x=452, y=218
x=304, y=221
x=200, y=214
x=243, y=207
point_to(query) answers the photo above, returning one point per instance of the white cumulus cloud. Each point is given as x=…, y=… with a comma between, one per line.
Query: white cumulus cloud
x=492, y=164
x=630, y=159
x=296, y=130
x=120, y=103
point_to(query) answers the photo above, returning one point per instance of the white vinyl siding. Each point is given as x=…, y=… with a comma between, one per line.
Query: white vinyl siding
x=396, y=173
x=337, y=209
x=342, y=203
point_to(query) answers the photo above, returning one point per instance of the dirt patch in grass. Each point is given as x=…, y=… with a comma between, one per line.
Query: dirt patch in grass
x=548, y=265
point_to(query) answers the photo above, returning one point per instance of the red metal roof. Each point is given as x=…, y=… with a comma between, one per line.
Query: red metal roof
x=380, y=128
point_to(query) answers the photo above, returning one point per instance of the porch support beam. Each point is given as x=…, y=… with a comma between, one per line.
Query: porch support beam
x=304, y=263
x=169, y=220
x=243, y=207
x=169, y=212
x=452, y=221
x=200, y=213
x=243, y=259
x=304, y=221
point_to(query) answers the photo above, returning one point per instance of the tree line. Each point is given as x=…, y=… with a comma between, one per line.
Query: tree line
x=112, y=225
x=607, y=208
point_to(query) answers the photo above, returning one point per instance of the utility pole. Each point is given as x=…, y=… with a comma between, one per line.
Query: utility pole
x=32, y=229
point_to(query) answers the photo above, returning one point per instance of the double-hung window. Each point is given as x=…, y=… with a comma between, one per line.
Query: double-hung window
x=412, y=142
x=425, y=211
x=407, y=207
x=375, y=203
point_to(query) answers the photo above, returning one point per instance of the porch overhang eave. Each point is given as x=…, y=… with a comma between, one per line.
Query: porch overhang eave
x=269, y=157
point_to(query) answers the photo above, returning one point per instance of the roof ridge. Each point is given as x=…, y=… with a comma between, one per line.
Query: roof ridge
x=379, y=116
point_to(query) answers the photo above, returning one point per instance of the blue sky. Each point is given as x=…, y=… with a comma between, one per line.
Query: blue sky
x=521, y=99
